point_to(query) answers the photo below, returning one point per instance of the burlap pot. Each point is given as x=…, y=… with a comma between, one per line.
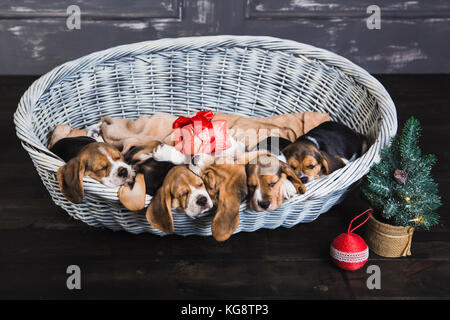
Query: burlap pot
x=387, y=240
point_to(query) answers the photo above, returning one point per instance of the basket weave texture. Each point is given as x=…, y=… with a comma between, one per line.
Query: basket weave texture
x=251, y=76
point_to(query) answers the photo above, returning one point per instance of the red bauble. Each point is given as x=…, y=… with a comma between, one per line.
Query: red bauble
x=348, y=250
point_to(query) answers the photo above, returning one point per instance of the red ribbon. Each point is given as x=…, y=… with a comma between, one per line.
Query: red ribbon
x=350, y=231
x=202, y=116
x=200, y=122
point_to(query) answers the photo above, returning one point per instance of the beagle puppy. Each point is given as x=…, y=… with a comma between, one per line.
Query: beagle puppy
x=270, y=181
x=323, y=150
x=226, y=183
x=169, y=185
x=182, y=190
x=86, y=157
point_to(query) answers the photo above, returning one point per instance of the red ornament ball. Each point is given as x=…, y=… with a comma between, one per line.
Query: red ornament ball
x=349, y=251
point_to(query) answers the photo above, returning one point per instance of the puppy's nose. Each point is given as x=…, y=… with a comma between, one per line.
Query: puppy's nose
x=202, y=201
x=264, y=204
x=123, y=172
x=304, y=179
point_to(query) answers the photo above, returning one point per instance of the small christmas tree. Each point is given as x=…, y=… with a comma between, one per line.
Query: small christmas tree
x=400, y=187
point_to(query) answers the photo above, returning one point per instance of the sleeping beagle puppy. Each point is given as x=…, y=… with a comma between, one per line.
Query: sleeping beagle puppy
x=86, y=157
x=270, y=181
x=169, y=185
x=323, y=150
x=226, y=183
x=182, y=190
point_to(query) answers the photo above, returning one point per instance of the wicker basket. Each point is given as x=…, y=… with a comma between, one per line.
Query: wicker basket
x=252, y=76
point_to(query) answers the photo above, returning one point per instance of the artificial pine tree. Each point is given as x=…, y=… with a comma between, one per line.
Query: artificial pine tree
x=400, y=187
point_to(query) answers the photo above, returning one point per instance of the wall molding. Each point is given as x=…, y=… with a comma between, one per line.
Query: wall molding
x=176, y=12
x=298, y=12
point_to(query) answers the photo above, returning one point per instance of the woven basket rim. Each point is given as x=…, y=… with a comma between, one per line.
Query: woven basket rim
x=338, y=180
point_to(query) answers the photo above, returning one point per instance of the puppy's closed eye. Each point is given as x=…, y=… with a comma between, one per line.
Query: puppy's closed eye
x=273, y=183
x=184, y=193
x=101, y=168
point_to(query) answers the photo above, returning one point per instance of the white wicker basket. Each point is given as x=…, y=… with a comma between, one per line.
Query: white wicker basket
x=252, y=76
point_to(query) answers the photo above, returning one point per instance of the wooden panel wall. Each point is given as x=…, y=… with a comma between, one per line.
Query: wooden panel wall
x=414, y=35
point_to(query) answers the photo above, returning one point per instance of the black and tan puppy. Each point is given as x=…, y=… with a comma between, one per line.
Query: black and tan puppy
x=323, y=150
x=86, y=157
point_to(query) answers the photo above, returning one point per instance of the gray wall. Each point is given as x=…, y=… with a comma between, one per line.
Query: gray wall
x=414, y=35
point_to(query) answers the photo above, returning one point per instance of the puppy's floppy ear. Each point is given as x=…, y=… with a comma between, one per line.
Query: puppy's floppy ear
x=226, y=219
x=159, y=212
x=70, y=179
x=292, y=177
x=209, y=179
x=325, y=168
x=330, y=163
x=229, y=200
x=133, y=197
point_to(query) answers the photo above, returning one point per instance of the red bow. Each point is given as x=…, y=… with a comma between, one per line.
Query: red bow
x=201, y=116
x=200, y=122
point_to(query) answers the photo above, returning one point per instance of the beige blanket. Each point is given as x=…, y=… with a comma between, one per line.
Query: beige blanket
x=125, y=133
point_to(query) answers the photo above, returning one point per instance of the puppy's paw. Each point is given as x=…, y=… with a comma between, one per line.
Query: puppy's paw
x=94, y=131
x=145, y=156
x=288, y=189
x=164, y=152
x=301, y=189
x=133, y=197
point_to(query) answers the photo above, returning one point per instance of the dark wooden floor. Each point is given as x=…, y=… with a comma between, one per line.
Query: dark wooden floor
x=38, y=240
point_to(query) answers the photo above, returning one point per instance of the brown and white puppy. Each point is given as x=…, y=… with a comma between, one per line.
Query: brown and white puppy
x=226, y=182
x=270, y=181
x=323, y=150
x=182, y=190
x=86, y=157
